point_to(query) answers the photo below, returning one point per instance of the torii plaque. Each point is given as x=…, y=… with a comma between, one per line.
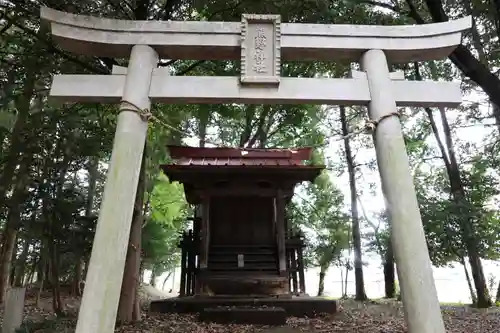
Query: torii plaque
x=261, y=41
x=260, y=49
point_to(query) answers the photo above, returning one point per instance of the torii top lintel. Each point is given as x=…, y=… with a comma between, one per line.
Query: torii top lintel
x=198, y=40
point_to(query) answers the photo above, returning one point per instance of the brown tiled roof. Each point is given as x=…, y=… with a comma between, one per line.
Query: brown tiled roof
x=193, y=166
x=194, y=156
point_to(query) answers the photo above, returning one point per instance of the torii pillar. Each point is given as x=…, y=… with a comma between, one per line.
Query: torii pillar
x=258, y=41
x=101, y=296
x=413, y=264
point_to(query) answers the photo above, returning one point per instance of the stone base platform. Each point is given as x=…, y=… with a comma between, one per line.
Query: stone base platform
x=296, y=306
x=244, y=315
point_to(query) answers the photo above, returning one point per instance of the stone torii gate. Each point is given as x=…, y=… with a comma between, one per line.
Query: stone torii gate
x=261, y=42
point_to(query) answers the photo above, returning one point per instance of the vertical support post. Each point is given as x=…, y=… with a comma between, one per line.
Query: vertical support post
x=198, y=213
x=300, y=266
x=293, y=268
x=104, y=278
x=14, y=307
x=280, y=232
x=205, y=244
x=289, y=269
x=191, y=263
x=413, y=263
x=185, y=244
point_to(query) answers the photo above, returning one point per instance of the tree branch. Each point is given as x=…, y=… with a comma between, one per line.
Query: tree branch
x=120, y=9
x=165, y=14
x=53, y=49
x=379, y=4
x=189, y=68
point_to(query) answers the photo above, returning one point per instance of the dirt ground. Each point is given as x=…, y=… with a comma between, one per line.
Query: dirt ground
x=368, y=317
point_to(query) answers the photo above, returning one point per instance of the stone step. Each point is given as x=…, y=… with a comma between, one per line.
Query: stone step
x=296, y=306
x=247, y=258
x=247, y=267
x=249, y=315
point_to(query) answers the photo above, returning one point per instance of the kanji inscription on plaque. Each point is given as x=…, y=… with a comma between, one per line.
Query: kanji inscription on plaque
x=260, y=49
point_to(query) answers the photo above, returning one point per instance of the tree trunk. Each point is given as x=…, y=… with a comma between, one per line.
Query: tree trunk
x=260, y=135
x=18, y=138
x=152, y=279
x=166, y=279
x=389, y=272
x=473, y=296
x=342, y=281
x=21, y=264
x=31, y=274
x=496, y=11
x=127, y=311
x=9, y=242
x=53, y=262
x=20, y=134
x=57, y=304
x=356, y=234
x=497, y=298
x=41, y=276
x=136, y=311
x=470, y=240
x=76, y=288
x=347, y=268
x=13, y=267
x=13, y=224
x=321, y=283
x=203, y=120
x=93, y=174
x=496, y=116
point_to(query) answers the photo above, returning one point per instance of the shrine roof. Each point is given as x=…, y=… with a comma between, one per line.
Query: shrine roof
x=203, y=168
x=238, y=157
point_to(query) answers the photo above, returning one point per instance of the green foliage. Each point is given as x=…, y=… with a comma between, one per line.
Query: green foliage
x=377, y=234
x=441, y=223
x=160, y=235
x=318, y=213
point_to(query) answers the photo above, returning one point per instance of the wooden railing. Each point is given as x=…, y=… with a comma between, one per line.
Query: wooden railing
x=295, y=263
x=188, y=246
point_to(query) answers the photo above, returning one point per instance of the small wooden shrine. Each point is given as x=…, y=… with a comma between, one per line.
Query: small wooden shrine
x=241, y=243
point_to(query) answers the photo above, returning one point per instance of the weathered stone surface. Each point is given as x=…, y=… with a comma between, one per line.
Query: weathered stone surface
x=244, y=285
x=104, y=278
x=213, y=90
x=408, y=240
x=303, y=306
x=260, y=49
x=244, y=315
x=221, y=40
x=14, y=307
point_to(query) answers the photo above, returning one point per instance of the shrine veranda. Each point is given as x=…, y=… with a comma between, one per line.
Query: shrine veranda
x=261, y=43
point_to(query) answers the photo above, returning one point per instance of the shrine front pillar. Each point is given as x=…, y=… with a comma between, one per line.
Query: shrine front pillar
x=421, y=305
x=203, y=246
x=280, y=232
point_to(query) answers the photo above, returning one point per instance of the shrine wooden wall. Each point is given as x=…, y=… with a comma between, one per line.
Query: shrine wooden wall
x=242, y=221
